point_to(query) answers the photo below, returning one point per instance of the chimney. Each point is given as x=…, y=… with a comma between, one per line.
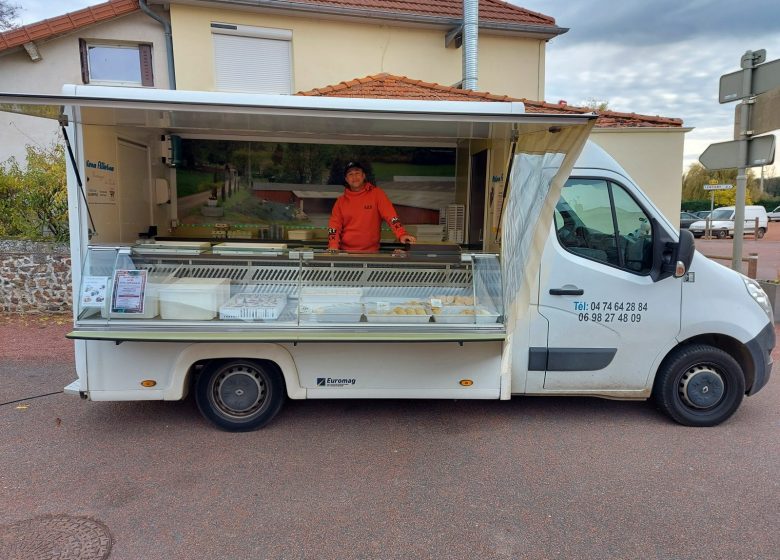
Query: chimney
x=470, y=47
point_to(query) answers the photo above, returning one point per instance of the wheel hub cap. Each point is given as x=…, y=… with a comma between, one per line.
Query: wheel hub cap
x=240, y=391
x=702, y=387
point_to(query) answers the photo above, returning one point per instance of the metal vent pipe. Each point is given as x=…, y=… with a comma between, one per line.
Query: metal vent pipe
x=470, y=46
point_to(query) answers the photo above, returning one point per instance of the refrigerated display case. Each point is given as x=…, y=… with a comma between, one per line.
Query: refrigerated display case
x=186, y=286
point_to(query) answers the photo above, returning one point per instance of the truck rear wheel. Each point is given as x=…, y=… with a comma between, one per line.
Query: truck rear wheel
x=760, y=233
x=239, y=395
x=699, y=385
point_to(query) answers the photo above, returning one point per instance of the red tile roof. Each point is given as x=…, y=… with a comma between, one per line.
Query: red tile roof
x=388, y=86
x=494, y=11
x=489, y=10
x=71, y=21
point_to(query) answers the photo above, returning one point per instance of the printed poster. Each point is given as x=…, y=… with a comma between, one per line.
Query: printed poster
x=101, y=182
x=93, y=291
x=128, y=294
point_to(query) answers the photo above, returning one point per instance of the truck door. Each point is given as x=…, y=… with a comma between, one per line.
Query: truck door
x=607, y=319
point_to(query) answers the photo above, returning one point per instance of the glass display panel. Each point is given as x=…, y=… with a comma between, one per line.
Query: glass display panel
x=136, y=286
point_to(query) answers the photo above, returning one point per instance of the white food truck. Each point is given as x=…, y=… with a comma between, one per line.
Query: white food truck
x=580, y=287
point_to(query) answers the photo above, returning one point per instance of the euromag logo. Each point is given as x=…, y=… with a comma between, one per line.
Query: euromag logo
x=333, y=382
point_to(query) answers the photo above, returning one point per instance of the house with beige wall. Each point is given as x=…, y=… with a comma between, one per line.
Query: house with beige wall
x=113, y=43
x=41, y=57
x=321, y=43
x=284, y=47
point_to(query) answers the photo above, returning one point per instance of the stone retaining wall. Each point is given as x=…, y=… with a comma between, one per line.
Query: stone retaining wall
x=34, y=277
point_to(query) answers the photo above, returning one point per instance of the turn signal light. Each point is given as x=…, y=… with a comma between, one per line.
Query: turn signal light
x=466, y=382
x=148, y=383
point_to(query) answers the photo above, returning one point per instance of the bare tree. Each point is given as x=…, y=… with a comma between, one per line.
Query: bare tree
x=8, y=13
x=597, y=104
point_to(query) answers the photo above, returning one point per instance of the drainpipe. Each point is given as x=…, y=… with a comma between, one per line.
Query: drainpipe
x=470, y=32
x=168, y=41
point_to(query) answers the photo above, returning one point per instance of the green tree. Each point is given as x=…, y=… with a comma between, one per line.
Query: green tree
x=697, y=176
x=729, y=198
x=34, y=196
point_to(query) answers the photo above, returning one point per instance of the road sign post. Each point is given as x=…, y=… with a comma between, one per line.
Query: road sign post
x=755, y=78
x=713, y=186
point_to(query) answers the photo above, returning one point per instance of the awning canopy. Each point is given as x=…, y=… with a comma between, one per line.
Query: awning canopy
x=197, y=114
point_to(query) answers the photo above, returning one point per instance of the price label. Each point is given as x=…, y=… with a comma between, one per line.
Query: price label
x=436, y=302
x=382, y=306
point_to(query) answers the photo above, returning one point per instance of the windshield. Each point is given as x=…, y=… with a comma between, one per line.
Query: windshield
x=723, y=214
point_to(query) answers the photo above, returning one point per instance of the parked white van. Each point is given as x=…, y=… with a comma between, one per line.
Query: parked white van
x=582, y=287
x=722, y=222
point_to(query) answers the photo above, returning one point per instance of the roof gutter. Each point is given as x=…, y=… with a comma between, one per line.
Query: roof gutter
x=168, y=41
x=540, y=31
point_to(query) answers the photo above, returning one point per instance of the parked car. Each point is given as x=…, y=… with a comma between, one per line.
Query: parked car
x=774, y=215
x=722, y=223
x=687, y=218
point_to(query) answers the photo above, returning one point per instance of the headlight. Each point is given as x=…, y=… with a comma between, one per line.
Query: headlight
x=758, y=294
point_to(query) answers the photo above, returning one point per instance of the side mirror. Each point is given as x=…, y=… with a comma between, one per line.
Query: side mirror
x=686, y=247
x=670, y=257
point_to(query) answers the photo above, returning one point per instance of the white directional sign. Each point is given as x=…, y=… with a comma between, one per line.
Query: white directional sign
x=723, y=187
x=725, y=155
x=764, y=77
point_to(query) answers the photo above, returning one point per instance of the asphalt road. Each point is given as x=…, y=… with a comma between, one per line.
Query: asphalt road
x=529, y=478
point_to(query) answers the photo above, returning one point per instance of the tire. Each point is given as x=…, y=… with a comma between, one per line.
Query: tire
x=239, y=395
x=721, y=234
x=760, y=233
x=699, y=385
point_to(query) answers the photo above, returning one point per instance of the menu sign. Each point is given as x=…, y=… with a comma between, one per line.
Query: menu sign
x=128, y=294
x=93, y=291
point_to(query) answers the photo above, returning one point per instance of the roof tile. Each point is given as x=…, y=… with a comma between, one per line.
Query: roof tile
x=489, y=10
x=388, y=86
x=66, y=23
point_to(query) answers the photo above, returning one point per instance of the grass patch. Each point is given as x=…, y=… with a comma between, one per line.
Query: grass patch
x=189, y=181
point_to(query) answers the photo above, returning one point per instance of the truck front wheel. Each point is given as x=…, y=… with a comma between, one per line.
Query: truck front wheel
x=699, y=385
x=239, y=395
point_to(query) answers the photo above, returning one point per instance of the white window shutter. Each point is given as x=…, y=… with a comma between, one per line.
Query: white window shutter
x=252, y=65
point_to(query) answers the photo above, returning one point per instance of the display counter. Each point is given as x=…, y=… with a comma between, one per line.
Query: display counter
x=261, y=292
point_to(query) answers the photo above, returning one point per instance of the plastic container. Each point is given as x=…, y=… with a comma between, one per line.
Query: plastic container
x=324, y=294
x=463, y=314
x=193, y=299
x=381, y=312
x=338, y=313
x=248, y=307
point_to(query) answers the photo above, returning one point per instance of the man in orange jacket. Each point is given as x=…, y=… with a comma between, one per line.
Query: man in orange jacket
x=356, y=220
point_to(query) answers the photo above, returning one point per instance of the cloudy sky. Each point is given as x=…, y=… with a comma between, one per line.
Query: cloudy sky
x=655, y=57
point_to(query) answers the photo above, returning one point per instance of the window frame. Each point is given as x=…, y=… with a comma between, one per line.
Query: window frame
x=145, y=61
x=610, y=182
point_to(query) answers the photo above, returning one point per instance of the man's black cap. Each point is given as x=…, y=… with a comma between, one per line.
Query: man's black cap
x=353, y=165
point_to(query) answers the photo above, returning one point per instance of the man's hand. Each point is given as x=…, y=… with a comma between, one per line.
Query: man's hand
x=407, y=239
x=332, y=251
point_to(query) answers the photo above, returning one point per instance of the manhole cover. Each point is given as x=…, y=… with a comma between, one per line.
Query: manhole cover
x=60, y=537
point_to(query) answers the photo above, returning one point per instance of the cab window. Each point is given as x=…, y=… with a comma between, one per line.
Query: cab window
x=598, y=220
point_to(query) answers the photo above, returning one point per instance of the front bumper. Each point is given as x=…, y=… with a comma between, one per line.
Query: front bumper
x=760, y=349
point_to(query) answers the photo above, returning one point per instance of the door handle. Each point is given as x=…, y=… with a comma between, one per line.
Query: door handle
x=571, y=291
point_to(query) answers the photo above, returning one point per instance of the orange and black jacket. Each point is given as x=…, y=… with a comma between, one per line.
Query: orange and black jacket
x=356, y=220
